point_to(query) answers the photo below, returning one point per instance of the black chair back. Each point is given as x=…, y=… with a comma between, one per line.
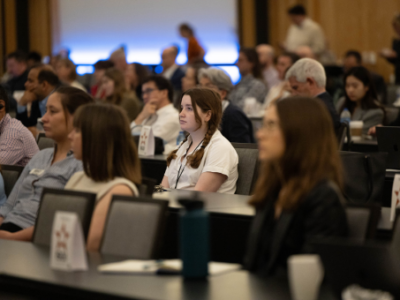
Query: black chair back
x=10, y=176
x=363, y=220
x=44, y=142
x=247, y=168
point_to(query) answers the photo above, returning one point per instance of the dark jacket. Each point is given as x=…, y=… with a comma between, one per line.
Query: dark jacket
x=176, y=79
x=236, y=126
x=34, y=115
x=328, y=101
x=396, y=61
x=320, y=215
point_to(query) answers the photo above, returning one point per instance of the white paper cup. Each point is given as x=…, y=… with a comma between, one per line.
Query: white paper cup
x=356, y=128
x=305, y=276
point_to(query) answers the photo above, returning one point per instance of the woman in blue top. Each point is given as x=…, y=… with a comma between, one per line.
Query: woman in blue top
x=48, y=168
x=3, y=197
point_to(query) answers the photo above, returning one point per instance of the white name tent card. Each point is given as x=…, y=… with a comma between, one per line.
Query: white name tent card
x=67, y=243
x=146, y=141
x=395, y=197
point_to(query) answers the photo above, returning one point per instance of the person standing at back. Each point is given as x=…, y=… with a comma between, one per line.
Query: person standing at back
x=158, y=112
x=307, y=78
x=195, y=53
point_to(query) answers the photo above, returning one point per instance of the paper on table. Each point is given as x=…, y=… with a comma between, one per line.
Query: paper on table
x=152, y=266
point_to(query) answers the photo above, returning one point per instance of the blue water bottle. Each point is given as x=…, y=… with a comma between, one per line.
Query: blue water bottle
x=345, y=116
x=194, y=240
x=180, y=138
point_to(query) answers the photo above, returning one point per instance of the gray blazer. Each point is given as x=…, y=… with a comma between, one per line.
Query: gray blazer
x=370, y=117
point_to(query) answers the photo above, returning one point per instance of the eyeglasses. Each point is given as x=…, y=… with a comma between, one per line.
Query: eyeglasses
x=148, y=91
x=270, y=126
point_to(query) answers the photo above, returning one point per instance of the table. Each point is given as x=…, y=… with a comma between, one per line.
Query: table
x=24, y=269
x=364, y=146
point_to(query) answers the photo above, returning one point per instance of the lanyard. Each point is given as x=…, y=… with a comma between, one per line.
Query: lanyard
x=183, y=169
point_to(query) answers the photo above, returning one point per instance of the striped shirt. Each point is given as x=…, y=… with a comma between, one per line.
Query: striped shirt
x=17, y=144
x=22, y=205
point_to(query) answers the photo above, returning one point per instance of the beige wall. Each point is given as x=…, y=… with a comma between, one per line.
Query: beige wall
x=363, y=25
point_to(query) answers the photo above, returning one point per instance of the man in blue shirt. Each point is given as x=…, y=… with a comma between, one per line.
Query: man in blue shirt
x=42, y=81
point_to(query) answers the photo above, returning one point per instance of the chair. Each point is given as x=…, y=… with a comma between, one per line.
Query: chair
x=134, y=227
x=44, y=142
x=343, y=132
x=10, y=176
x=147, y=187
x=247, y=168
x=54, y=200
x=362, y=220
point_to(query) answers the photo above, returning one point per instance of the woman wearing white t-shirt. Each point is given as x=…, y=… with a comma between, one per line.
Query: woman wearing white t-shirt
x=205, y=160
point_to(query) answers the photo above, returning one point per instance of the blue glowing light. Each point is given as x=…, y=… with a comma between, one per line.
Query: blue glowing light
x=233, y=73
x=82, y=70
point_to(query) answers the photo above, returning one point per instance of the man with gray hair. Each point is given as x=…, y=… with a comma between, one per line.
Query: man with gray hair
x=307, y=78
x=235, y=125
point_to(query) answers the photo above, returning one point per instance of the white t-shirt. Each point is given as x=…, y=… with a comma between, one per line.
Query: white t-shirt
x=219, y=157
x=165, y=124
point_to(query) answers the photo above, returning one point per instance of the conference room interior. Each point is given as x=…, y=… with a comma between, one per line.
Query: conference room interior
x=299, y=208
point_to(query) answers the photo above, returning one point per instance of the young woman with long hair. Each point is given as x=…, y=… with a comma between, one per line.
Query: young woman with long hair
x=297, y=196
x=205, y=160
x=113, y=168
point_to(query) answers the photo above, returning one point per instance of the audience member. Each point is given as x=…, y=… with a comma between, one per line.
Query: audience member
x=191, y=80
x=361, y=99
x=250, y=85
x=266, y=58
x=235, y=126
x=297, y=195
x=158, y=112
x=282, y=90
x=3, y=196
x=17, y=144
x=118, y=57
x=100, y=68
x=115, y=92
x=305, y=52
x=353, y=59
x=17, y=68
x=135, y=75
x=48, y=168
x=42, y=81
x=205, y=160
x=113, y=169
x=33, y=58
x=171, y=70
x=303, y=32
x=195, y=53
x=393, y=55
x=307, y=78
x=66, y=72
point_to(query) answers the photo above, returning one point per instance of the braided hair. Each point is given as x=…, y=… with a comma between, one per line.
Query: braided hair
x=207, y=100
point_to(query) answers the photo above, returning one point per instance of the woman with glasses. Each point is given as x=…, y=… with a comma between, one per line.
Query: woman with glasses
x=298, y=194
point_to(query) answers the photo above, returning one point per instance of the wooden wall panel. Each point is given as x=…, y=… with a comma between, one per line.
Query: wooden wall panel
x=363, y=25
x=247, y=23
x=2, y=66
x=10, y=25
x=40, y=26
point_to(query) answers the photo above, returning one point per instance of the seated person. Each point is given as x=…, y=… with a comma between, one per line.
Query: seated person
x=281, y=90
x=235, y=126
x=42, y=81
x=66, y=72
x=205, y=160
x=251, y=84
x=297, y=196
x=100, y=68
x=307, y=78
x=48, y=168
x=158, y=112
x=113, y=84
x=108, y=170
x=171, y=70
x=3, y=196
x=135, y=75
x=361, y=99
x=17, y=144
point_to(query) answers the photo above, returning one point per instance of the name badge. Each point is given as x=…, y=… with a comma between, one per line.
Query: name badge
x=37, y=172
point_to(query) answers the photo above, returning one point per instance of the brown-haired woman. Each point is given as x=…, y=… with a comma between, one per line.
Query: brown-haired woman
x=48, y=168
x=66, y=72
x=205, y=160
x=297, y=196
x=250, y=84
x=135, y=74
x=114, y=86
x=111, y=169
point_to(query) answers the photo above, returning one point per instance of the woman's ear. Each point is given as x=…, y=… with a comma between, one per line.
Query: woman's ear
x=208, y=116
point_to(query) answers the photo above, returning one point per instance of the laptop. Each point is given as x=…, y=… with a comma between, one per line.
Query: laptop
x=371, y=266
x=389, y=141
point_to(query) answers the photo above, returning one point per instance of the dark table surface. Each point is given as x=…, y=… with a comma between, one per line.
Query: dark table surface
x=25, y=267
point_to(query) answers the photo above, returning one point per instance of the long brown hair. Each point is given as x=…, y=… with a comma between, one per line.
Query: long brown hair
x=108, y=150
x=252, y=56
x=206, y=100
x=119, y=85
x=310, y=154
